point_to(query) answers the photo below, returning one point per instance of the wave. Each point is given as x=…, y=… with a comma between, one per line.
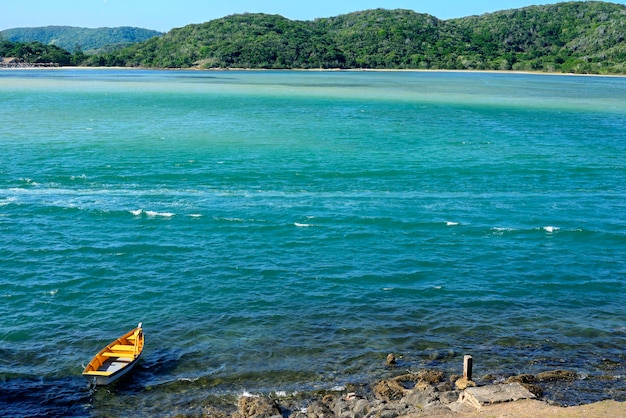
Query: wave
x=550, y=229
x=152, y=214
x=7, y=201
x=299, y=225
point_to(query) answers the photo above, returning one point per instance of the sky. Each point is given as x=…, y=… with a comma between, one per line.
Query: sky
x=163, y=15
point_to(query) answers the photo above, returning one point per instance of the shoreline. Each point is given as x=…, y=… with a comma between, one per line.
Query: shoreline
x=420, y=394
x=416, y=395
x=314, y=70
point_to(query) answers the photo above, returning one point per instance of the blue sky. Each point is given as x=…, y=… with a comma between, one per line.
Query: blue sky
x=164, y=15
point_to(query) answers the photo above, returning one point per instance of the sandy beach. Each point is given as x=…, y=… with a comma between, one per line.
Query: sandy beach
x=533, y=408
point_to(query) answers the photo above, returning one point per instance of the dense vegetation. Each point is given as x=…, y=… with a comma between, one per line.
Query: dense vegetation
x=578, y=37
x=38, y=53
x=581, y=37
x=80, y=39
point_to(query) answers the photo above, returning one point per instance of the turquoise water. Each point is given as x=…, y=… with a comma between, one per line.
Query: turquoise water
x=285, y=231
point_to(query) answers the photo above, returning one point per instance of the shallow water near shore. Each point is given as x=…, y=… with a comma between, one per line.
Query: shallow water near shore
x=285, y=231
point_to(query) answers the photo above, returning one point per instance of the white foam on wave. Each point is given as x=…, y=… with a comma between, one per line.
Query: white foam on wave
x=452, y=223
x=195, y=215
x=550, y=229
x=231, y=219
x=500, y=229
x=7, y=201
x=188, y=379
x=29, y=181
x=154, y=214
x=299, y=225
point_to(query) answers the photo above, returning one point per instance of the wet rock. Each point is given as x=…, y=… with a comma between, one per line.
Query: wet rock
x=319, y=409
x=557, y=375
x=257, y=407
x=528, y=381
x=521, y=378
x=210, y=411
x=391, y=359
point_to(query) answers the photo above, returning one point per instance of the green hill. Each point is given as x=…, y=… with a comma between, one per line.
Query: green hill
x=35, y=53
x=573, y=37
x=85, y=39
x=581, y=37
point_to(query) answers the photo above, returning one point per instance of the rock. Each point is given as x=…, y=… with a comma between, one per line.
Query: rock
x=527, y=380
x=431, y=377
x=557, y=375
x=493, y=394
x=461, y=407
x=422, y=398
x=449, y=397
x=257, y=407
x=389, y=410
x=391, y=359
x=463, y=383
x=317, y=409
x=389, y=390
x=444, y=387
x=521, y=378
x=210, y=411
x=361, y=408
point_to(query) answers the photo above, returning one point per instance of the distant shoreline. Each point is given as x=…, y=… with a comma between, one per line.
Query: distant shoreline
x=320, y=70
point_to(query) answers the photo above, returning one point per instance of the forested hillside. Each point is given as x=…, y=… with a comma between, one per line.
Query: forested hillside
x=87, y=40
x=572, y=37
x=36, y=53
x=579, y=37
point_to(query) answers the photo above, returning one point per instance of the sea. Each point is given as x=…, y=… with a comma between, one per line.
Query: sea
x=282, y=232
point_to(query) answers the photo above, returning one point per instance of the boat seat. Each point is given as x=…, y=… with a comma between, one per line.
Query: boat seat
x=123, y=354
x=120, y=347
x=97, y=373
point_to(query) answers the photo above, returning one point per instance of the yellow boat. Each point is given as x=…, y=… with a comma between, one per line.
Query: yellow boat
x=116, y=359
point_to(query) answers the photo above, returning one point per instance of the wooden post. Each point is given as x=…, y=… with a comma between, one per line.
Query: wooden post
x=467, y=367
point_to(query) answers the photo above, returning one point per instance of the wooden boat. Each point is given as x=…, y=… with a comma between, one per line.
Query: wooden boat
x=116, y=359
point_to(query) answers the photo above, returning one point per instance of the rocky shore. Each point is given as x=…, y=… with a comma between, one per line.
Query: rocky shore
x=427, y=393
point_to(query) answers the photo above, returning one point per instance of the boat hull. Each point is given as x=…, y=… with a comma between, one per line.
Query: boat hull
x=102, y=380
x=116, y=359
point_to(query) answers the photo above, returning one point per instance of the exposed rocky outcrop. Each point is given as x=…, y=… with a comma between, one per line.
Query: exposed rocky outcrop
x=426, y=393
x=257, y=407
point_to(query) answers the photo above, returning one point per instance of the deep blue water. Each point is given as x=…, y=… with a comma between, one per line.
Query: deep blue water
x=285, y=231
